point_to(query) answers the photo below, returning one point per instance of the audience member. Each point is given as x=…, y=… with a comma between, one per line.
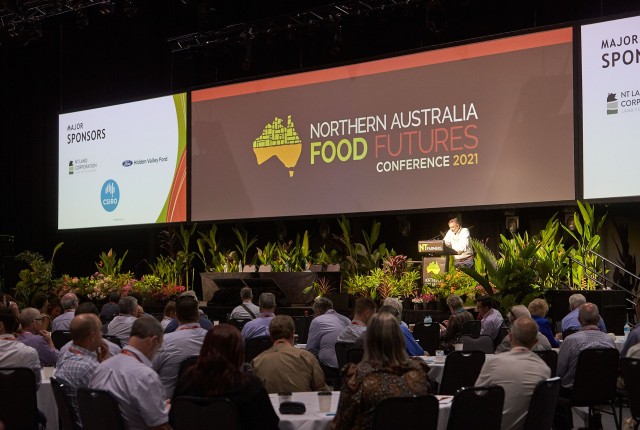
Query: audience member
x=35, y=336
x=451, y=329
x=412, y=347
x=219, y=372
x=111, y=308
x=40, y=301
x=182, y=343
x=518, y=371
x=8, y=302
x=69, y=304
x=285, y=368
x=169, y=314
x=54, y=309
x=364, y=309
x=538, y=309
x=202, y=319
x=129, y=377
x=91, y=308
x=12, y=353
x=633, y=338
x=519, y=311
x=571, y=322
x=385, y=371
x=120, y=326
x=247, y=310
x=324, y=330
x=87, y=349
x=490, y=318
x=260, y=326
x=397, y=305
x=589, y=337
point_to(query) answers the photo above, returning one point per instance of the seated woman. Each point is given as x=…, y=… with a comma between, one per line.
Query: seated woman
x=385, y=371
x=220, y=372
x=538, y=309
x=451, y=329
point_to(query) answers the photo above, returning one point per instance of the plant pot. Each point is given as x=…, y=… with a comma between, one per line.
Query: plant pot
x=431, y=306
x=417, y=306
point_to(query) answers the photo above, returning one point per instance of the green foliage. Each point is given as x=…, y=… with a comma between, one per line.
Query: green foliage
x=176, y=267
x=394, y=279
x=320, y=287
x=552, y=268
x=208, y=252
x=109, y=263
x=586, y=239
x=37, y=278
x=326, y=258
x=244, y=244
x=361, y=257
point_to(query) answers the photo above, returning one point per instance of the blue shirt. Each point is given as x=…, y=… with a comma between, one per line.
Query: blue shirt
x=544, y=326
x=632, y=339
x=258, y=327
x=203, y=321
x=323, y=334
x=413, y=348
x=571, y=322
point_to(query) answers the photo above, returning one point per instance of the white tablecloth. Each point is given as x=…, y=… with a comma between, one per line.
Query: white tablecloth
x=47, y=403
x=436, y=368
x=315, y=420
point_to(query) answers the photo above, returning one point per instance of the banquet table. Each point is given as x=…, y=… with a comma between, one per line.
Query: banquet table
x=313, y=419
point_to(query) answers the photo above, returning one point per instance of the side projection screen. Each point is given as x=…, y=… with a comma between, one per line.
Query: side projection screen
x=611, y=108
x=123, y=165
x=481, y=124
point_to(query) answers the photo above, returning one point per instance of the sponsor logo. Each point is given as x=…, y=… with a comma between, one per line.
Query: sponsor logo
x=612, y=104
x=127, y=163
x=71, y=167
x=110, y=195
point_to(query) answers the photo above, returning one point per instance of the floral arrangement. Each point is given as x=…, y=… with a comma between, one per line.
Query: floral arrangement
x=455, y=282
x=98, y=286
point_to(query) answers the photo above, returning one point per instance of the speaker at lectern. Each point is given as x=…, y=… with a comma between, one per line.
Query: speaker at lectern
x=435, y=259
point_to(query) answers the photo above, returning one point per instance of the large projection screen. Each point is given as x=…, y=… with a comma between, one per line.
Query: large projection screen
x=123, y=165
x=487, y=123
x=611, y=108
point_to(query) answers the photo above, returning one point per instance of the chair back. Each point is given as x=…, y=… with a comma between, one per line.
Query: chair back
x=461, y=369
x=60, y=338
x=239, y=324
x=568, y=332
x=502, y=333
x=66, y=414
x=112, y=339
x=406, y=412
x=472, y=328
x=596, y=377
x=542, y=407
x=482, y=343
x=302, y=324
x=341, y=352
x=99, y=410
x=204, y=412
x=18, y=401
x=428, y=336
x=254, y=346
x=187, y=363
x=550, y=357
x=631, y=374
x=478, y=408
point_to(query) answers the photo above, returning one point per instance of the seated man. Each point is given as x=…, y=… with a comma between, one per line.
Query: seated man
x=589, y=337
x=260, y=326
x=120, y=326
x=87, y=350
x=169, y=314
x=516, y=312
x=324, y=330
x=518, y=371
x=129, y=377
x=91, y=308
x=285, y=368
x=111, y=309
x=185, y=341
x=247, y=310
x=413, y=348
x=491, y=320
x=12, y=353
x=69, y=304
x=364, y=309
x=571, y=322
x=202, y=318
x=35, y=336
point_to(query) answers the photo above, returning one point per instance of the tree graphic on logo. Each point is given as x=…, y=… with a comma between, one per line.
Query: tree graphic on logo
x=279, y=141
x=612, y=104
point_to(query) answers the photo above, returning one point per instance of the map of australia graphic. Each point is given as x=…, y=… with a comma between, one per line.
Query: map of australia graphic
x=279, y=141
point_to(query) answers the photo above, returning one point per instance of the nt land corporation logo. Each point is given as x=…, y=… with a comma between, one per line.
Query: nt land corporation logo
x=110, y=195
x=612, y=104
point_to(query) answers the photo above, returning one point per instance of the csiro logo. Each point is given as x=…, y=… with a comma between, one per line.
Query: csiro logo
x=612, y=104
x=110, y=195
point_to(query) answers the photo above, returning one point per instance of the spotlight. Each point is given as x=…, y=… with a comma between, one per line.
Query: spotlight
x=130, y=8
x=106, y=9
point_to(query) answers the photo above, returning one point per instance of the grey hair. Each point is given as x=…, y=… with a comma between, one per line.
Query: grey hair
x=454, y=301
x=322, y=304
x=267, y=301
x=577, y=300
x=128, y=305
x=28, y=315
x=69, y=301
x=246, y=293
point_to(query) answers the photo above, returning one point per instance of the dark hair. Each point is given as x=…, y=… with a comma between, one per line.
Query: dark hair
x=220, y=368
x=186, y=309
x=364, y=303
x=9, y=320
x=87, y=308
x=114, y=297
x=485, y=301
x=38, y=300
x=281, y=327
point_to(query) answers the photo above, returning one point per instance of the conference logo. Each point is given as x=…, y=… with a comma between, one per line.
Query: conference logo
x=280, y=141
x=612, y=104
x=110, y=195
x=127, y=163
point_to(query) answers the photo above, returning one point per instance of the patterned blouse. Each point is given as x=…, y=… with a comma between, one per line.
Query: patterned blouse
x=454, y=328
x=365, y=386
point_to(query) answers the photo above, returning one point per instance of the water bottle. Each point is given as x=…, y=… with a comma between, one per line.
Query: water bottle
x=427, y=319
x=627, y=329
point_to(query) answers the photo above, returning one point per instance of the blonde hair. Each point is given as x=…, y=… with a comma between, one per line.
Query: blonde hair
x=384, y=343
x=539, y=307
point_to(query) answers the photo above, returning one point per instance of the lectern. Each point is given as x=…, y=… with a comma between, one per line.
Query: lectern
x=435, y=259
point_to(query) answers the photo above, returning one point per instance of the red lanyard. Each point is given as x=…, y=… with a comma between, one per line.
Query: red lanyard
x=129, y=353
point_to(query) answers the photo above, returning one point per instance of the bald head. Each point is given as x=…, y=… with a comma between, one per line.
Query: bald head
x=524, y=332
x=27, y=318
x=588, y=314
x=86, y=331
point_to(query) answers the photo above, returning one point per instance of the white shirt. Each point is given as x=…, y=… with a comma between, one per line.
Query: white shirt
x=459, y=242
x=17, y=354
